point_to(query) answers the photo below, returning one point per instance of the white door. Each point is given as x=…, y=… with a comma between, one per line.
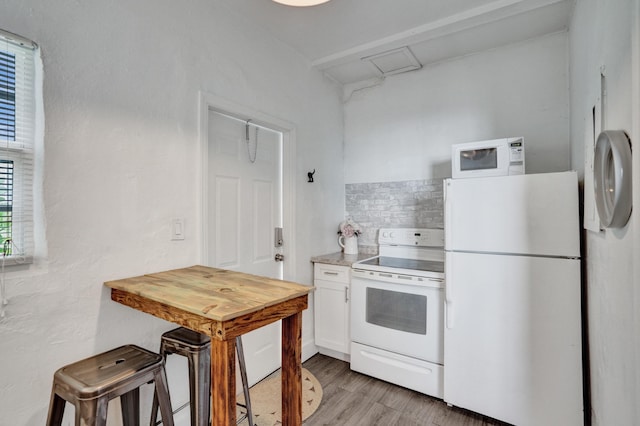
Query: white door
x=513, y=338
x=527, y=214
x=245, y=207
x=398, y=315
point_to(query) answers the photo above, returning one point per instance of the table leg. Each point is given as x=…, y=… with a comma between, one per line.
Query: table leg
x=292, y=370
x=223, y=382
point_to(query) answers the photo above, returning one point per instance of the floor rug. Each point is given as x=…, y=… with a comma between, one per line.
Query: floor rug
x=266, y=397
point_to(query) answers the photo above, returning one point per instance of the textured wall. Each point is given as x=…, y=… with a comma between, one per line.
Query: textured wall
x=605, y=35
x=122, y=157
x=403, y=129
x=403, y=204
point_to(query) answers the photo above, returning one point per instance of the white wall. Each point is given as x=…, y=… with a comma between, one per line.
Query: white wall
x=601, y=35
x=121, y=82
x=404, y=128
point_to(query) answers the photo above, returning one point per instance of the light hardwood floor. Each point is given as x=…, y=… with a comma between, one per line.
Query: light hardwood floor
x=350, y=399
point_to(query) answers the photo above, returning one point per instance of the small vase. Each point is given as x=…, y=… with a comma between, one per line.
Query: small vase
x=349, y=244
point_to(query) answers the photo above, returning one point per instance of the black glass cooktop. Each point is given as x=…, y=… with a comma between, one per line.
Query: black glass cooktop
x=399, y=262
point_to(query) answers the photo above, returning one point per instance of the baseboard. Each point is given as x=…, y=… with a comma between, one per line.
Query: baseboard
x=309, y=349
x=335, y=354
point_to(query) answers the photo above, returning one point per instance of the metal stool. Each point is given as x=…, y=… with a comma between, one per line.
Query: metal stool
x=197, y=348
x=91, y=383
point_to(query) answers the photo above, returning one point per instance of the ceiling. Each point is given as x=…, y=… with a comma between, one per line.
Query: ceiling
x=358, y=40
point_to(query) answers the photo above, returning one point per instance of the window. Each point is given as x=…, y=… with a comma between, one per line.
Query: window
x=6, y=201
x=17, y=140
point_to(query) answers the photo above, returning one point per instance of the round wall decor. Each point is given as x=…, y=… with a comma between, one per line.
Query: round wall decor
x=612, y=178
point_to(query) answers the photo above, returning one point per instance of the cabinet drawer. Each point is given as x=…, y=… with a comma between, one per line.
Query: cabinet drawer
x=335, y=273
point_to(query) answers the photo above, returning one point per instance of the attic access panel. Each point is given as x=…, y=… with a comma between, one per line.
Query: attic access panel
x=394, y=61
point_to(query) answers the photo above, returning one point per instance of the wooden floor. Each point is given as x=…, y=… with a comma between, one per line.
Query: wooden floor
x=350, y=398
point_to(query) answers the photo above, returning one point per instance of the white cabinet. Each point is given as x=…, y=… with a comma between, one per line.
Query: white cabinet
x=331, y=309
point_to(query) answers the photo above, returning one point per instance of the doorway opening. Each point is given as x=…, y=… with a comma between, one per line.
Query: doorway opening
x=247, y=206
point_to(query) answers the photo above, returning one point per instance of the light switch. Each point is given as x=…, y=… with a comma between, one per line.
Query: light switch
x=177, y=228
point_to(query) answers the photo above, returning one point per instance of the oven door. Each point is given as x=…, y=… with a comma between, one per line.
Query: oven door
x=398, y=313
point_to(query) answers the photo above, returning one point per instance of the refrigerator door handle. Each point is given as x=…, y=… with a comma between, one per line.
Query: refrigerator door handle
x=447, y=214
x=448, y=291
x=448, y=314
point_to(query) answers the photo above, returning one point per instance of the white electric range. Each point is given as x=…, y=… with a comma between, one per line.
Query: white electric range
x=397, y=310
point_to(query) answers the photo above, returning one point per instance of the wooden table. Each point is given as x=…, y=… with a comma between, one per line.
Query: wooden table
x=223, y=305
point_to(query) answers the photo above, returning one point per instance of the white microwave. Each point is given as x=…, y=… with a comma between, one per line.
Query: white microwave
x=497, y=157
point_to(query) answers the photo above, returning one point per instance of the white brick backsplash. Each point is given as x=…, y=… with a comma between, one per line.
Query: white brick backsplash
x=404, y=204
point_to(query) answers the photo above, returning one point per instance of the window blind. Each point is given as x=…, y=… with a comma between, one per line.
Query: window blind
x=7, y=96
x=17, y=139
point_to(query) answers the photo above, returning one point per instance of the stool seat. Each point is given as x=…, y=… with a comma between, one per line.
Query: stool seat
x=182, y=338
x=90, y=384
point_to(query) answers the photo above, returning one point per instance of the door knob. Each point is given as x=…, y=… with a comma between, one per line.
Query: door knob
x=279, y=257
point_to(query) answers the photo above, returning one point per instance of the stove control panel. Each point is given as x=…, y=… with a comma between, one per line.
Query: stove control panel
x=416, y=237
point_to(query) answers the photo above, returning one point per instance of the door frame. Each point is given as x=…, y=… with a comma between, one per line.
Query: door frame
x=211, y=102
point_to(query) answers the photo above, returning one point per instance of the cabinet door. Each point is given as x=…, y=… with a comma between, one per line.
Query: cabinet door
x=332, y=315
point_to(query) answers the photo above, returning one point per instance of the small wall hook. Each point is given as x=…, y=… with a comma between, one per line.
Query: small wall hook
x=310, y=175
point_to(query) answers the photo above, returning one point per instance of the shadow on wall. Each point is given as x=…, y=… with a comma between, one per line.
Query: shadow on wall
x=403, y=204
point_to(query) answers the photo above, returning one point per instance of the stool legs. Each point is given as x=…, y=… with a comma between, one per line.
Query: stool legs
x=161, y=395
x=87, y=413
x=154, y=406
x=245, y=382
x=56, y=409
x=92, y=413
x=200, y=388
x=130, y=403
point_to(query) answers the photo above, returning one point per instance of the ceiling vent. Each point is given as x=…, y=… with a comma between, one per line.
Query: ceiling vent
x=394, y=61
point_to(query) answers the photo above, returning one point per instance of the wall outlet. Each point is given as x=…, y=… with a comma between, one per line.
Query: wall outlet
x=177, y=229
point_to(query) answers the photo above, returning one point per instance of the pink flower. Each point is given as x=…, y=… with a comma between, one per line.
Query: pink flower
x=349, y=228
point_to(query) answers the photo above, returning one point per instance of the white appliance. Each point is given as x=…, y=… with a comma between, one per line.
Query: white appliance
x=513, y=302
x=496, y=157
x=397, y=310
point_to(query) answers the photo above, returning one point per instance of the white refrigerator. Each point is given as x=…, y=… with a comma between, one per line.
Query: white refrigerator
x=512, y=344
